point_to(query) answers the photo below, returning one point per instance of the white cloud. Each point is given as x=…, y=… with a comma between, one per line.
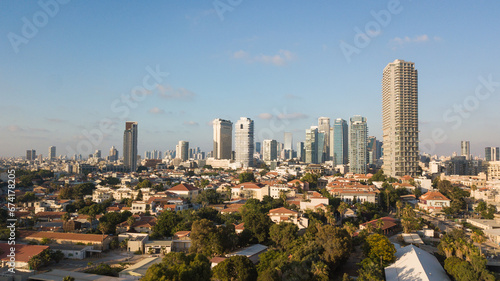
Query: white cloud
x=398, y=42
x=279, y=59
x=156, y=110
x=168, y=92
x=191, y=123
x=265, y=116
x=292, y=116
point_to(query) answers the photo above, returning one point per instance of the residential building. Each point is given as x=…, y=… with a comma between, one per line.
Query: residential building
x=358, y=135
x=288, y=141
x=249, y=190
x=52, y=152
x=301, y=151
x=244, y=141
x=280, y=215
x=223, y=139
x=113, y=154
x=269, y=151
x=465, y=149
x=31, y=155
x=324, y=128
x=433, y=201
x=492, y=153
x=185, y=190
x=340, y=142
x=311, y=145
x=182, y=150
x=400, y=119
x=130, y=146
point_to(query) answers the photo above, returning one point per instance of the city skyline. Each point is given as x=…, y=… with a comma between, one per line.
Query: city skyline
x=63, y=79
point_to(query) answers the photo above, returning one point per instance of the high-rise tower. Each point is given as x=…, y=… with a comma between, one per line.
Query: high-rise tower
x=400, y=118
x=223, y=139
x=358, y=137
x=340, y=142
x=130, y=146
x=244, y=142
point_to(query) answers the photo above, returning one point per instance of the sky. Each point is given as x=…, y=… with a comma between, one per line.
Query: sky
x=72, y=72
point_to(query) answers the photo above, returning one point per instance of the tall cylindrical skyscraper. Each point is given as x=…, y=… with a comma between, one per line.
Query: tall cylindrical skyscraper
x=130, y=146
x=244, y=142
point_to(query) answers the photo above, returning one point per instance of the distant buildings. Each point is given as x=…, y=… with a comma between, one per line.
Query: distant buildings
x=301, y=151
x=400, y=118
x=324, y=128
x=31, y=155
x=340, y=142
x=492, y=154
x=358, y=135
x=288, y=140
x=311, y=145
x=244, y=142
x=130, y=146
x=223, y=139
x=270, y=151
x=465, y=149
x=182, y=150
x=52, y=152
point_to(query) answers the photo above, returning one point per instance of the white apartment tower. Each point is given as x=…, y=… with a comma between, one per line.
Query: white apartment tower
x=465, y=149
x=244, y=142
x=223, y=139
x=358, y=137
x=182, y=150
x=400, y=118
x=130, y=146
x=269, y=150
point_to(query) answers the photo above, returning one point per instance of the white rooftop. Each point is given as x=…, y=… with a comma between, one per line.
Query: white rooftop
x=412, y=238
x=414, y=264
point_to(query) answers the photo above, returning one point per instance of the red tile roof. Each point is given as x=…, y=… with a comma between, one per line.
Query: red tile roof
x=63, y=236
x=183, y=187
x=282, y=211
x=434, y=195
x=23, y=252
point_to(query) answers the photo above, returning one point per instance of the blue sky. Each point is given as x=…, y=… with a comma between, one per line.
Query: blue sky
x=277, y=62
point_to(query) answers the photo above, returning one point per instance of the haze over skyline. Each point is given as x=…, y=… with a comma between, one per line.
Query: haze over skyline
x=282, y=64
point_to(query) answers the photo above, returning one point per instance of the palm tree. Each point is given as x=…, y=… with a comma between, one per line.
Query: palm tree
x=369, y=227
x=342, y=209
x=399, y=205
x=380, y=224
x=350, y=228
x=130, y=222
x=90, y=219
x=447, y=246
x=479, y=238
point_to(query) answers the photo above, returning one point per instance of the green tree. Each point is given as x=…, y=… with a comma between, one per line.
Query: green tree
x=178, y=267
x=283, y=234
x=408, y=219
x=312, y=179
x=56, y=256
x=256, y=220
x=246, y=177
x=370, y=271
x=209, y=196
x=144, y=184
x=336, y=244
x=65, y=217
x=377, y=247
x=69, y=278
x=165, y=224
x=237, y=268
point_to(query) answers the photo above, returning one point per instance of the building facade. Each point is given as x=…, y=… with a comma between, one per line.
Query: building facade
x=340, y=142
x=358, y=136
x=270, y=151
x=311, y=146
x=130, y=146
x=223, y=139
x=400, y=118
x=244, y=141
x=182, y=150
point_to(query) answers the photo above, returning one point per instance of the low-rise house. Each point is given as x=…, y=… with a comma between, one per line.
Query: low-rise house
x=23, y=254
x=433, y=201
x=139, y=207
x=185, y=190
x=389, y=225
x=356, y=194
x=249, y=190
x=99, y=242
x=280, y=215
x=72, y=251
